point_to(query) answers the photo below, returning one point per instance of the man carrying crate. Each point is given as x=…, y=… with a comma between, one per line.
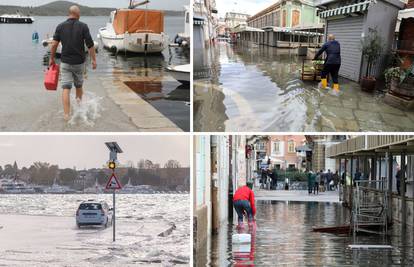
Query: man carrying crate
x=332, y=48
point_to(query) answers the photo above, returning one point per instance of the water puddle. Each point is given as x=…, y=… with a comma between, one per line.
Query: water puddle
x=284, y=236
x=259, y=89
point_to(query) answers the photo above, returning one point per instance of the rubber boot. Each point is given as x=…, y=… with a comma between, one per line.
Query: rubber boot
x=336, y=87
x=324, y=83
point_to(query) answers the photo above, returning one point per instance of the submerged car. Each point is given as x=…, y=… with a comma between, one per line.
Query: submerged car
x=93, y=212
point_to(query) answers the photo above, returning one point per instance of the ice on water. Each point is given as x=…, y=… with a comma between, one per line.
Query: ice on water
x=41, y=229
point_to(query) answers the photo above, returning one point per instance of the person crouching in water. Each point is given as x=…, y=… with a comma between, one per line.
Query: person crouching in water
x=243, y=201
x=332, y=48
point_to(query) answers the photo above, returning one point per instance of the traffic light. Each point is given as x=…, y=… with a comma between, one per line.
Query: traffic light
x=112, y=165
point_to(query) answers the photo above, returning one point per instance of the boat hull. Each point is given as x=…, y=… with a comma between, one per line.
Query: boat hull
x=179, y=74
x=16, y=20
x=133, y=42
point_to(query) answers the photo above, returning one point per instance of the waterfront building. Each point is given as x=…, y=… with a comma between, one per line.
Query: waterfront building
x=350, y=21
x=205, y=20
x=318, y=144
x=287, y=23
x=282, y=152
x=233, y=19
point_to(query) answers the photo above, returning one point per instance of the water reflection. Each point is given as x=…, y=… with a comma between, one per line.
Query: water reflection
x=258, y=88
x=284, y=237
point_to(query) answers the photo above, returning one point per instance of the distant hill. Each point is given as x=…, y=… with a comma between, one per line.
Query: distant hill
x=60, y=8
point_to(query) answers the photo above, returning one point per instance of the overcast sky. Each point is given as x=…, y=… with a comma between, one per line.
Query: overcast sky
x=155, y=4
x=250, y=7
x=90, y=151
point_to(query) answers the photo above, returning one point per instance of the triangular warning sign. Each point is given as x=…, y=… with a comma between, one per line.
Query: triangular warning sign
x=113, y=183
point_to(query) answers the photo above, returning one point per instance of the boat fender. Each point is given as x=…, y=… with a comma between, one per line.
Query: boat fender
x=114, y=49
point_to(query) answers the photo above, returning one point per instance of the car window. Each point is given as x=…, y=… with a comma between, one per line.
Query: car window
x=90, y=206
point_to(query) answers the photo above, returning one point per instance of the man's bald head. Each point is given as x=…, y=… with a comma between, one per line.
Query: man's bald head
x=331, y=37
x=74, y=12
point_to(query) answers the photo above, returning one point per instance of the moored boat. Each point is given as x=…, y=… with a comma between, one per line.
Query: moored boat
x=16, y=19
x=181, y=73
x=134, y=30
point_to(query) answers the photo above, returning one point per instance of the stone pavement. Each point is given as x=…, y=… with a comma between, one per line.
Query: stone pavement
x=297, y=195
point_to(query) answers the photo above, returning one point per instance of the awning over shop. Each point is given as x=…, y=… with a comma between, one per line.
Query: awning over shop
x=244, y=28
x=304, y=148
x=291, y=31
x=198, y=21
x=345, y=10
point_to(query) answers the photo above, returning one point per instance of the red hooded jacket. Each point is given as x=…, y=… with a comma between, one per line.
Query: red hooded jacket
x=245, y=193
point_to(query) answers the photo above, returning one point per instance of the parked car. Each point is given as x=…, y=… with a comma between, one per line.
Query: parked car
x=93, y=212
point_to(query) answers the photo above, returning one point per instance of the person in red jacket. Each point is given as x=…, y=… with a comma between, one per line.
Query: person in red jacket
x=243, y=201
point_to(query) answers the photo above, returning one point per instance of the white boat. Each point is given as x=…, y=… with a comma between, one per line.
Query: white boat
x=58, y=189
x=10, y=186
x=48, y=43
x=16, y=19
x=181, y=73
x=134, y=30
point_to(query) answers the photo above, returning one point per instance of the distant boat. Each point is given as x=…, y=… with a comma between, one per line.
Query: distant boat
x=134, y=30
x=16, y=19
x=181, y=73
x=58, y=189
x=10, y=186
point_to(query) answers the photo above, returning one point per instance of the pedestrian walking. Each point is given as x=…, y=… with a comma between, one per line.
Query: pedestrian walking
x=332, y=48
x=329, y=178
x=73, y=35
x=311, y=182
x=243, y=201
x=336, y=179
x=317, y=179
x=398, y=178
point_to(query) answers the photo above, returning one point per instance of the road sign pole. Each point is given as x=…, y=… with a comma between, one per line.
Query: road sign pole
x=113, y=215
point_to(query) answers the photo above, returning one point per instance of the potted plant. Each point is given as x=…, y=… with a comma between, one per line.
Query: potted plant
x=401, y=81
x=371, y=47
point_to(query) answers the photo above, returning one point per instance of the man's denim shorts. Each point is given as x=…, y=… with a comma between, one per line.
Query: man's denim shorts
x=71, y=74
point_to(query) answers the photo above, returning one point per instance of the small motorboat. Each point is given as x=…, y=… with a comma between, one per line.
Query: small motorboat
x=48, y=43
x=183, y=39
x=181, y=73
x=16, y=19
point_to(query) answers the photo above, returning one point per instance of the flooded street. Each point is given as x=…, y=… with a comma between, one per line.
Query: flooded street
x=258, y=88
x=283, y=237
x=41, y=229
x=110, y=103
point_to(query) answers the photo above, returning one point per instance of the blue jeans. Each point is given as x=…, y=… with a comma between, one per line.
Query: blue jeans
x=243, y=205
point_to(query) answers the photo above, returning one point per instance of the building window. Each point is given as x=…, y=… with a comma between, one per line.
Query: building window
x=291, y=146
x=295, y=18
x=292, y=166
x=277, y=148
x=284, y=17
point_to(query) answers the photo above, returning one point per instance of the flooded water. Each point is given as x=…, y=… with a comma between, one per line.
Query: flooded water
x=26, y=106
x=283, y=236
x=258, y=88
x=41, y=229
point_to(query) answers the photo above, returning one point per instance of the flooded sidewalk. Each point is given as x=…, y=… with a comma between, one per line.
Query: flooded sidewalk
x=284, y=237
x=258, y=88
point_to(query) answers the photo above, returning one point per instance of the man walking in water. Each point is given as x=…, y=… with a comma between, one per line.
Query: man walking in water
x=243, y=201
x=332, y=48
x=73, y=35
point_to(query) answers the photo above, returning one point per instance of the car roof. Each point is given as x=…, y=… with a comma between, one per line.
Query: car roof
x=91, y=201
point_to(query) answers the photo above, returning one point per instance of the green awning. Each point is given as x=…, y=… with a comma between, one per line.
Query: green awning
x=345, y=10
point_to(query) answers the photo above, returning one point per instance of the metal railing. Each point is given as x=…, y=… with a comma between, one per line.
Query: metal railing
x=370, y=206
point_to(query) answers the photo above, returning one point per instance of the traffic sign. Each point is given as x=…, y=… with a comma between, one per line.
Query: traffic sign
x=113, y=183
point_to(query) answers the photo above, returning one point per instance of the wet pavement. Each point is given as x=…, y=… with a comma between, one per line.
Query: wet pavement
x=283, y=237
x=109, y=105
x=258, y=88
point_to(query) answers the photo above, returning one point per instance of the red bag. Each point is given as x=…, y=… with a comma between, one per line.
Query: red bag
x=52, y=77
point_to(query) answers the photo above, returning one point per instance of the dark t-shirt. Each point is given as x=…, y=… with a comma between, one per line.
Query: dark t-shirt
x=73, y=35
